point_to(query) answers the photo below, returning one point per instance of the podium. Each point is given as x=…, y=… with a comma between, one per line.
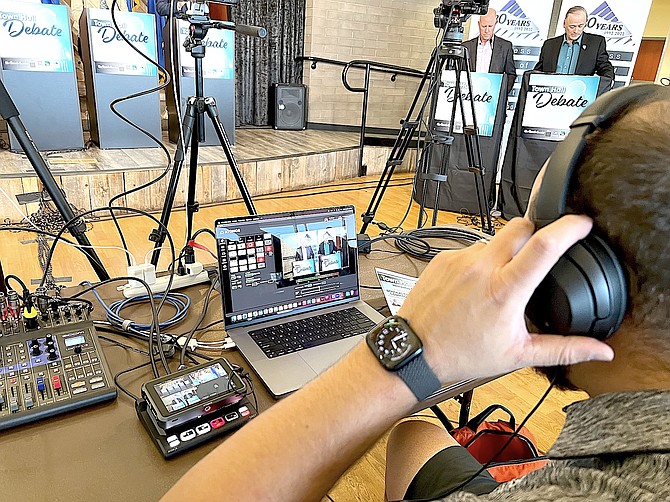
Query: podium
x=218, y=68
x=37, y=68
x=459, y=193
x=548, y=103
x=114, y=70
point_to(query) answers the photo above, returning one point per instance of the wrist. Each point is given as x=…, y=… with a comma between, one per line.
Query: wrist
x=423, y=329
x=381, y=383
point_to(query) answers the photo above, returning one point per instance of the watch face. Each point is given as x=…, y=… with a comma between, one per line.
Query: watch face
x=394, y=344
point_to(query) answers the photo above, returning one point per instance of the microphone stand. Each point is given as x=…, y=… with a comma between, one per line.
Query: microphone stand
x=10, y=113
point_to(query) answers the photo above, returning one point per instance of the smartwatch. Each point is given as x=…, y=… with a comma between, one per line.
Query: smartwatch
x=399, y=349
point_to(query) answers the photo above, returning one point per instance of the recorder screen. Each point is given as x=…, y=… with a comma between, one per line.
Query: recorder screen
x=193, y=387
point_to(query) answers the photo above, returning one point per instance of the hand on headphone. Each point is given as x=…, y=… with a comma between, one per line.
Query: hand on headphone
x=468, y=305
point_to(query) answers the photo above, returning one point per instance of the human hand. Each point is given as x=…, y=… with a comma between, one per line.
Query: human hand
x=468, y=305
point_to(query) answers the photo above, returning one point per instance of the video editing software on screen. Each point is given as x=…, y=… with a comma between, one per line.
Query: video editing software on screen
x=271, y=265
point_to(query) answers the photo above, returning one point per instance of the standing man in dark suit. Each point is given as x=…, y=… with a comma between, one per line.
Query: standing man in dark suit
x=490, y=54
x=576, y=52
x=327, y=244
x=305, y=251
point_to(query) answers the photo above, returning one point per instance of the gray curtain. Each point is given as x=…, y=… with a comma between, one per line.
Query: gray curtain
x=259, y=63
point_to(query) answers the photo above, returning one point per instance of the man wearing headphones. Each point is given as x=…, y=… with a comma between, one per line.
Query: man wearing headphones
x=613, y=168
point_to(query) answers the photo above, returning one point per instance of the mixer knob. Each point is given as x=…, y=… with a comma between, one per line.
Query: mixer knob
x=35, y=348
x=77, y=349
x=52, y=354
x=49, y=338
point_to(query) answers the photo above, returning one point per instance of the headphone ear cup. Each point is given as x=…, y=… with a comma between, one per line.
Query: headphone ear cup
x=585, y=293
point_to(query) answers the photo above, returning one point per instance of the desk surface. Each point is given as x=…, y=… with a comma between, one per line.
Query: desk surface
x=103, y=452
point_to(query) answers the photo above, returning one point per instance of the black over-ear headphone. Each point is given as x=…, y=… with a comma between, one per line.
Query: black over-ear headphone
x=585, y=293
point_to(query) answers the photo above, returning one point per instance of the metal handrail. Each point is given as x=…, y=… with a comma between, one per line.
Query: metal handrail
x=368, y=66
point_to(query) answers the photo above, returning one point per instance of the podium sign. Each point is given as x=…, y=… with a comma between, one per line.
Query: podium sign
x=218, y=68
x=485, y=93
x=37, y=68
x=114, y=69
x=553, y=102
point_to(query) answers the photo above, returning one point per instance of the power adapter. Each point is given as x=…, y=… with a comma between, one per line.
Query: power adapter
x=364, y=244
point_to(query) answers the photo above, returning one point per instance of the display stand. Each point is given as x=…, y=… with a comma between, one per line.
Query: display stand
x=218, y=78
x=114, y=70
x=547, y=105
x=38, y=72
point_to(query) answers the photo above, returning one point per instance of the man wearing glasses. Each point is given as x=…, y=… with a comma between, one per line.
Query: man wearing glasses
x=575, y=52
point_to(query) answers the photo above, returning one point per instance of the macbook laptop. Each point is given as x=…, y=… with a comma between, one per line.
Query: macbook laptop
x=291, y=297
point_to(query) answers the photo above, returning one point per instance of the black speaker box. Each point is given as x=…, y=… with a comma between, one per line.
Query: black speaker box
x=289, y=106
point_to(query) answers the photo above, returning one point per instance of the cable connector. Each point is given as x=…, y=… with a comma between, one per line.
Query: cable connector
x=135, y=271
x=192, y=343
x=382, y=226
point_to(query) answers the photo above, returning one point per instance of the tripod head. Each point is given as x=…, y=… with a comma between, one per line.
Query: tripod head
x=200, y=23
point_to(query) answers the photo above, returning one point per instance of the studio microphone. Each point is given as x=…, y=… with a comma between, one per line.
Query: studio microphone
x=252, y=31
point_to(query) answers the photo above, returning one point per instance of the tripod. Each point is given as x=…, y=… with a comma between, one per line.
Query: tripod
x=451, y=55
x=193, y=131
x=77, y=227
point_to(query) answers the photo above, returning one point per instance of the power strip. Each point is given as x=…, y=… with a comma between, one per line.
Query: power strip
x=178, y=281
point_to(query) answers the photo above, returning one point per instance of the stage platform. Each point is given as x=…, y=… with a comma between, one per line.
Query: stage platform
x=270, y=161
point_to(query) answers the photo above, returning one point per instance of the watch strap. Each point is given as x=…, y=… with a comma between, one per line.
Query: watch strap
x=419, y=377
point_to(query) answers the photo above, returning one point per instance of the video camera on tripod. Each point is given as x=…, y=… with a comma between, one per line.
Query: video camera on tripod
x=451, y=14
x=450, y=54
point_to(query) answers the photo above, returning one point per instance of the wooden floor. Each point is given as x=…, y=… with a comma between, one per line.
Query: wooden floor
x=251, y=144
x=365, y=480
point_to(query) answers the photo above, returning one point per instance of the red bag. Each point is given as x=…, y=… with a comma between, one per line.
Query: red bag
x=484, y=441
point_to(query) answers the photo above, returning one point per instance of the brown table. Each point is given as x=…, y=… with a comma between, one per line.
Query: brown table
x=103, y=452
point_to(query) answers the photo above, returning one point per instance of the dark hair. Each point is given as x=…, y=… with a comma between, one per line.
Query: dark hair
x=623, y=183
x=575, y=10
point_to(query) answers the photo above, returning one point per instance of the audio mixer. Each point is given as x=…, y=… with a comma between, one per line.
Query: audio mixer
x=49, y=363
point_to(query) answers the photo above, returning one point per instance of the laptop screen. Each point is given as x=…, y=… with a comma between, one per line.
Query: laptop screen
x=280, y=264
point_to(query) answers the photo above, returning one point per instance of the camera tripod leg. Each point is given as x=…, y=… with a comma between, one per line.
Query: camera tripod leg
x=407, y=130
x=188, y=128
x=213, y=113
x=475, y=163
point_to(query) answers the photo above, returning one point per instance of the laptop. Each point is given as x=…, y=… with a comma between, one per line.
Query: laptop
x=290, y=291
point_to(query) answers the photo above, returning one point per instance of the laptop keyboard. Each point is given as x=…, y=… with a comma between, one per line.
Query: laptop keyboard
x=282, y=339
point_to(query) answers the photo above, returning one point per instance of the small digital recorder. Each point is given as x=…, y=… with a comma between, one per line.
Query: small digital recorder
x=190, y=393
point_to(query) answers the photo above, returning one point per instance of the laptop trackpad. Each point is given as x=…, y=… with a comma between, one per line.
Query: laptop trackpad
x=284, y=374
x=324, y=356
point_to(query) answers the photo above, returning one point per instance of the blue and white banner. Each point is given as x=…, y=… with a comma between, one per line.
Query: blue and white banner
x=525, y=23
x=219, y=49
x=621, y=23
x=485, y=94
x=111, y=54
x=553, y=102
x=35, y=37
